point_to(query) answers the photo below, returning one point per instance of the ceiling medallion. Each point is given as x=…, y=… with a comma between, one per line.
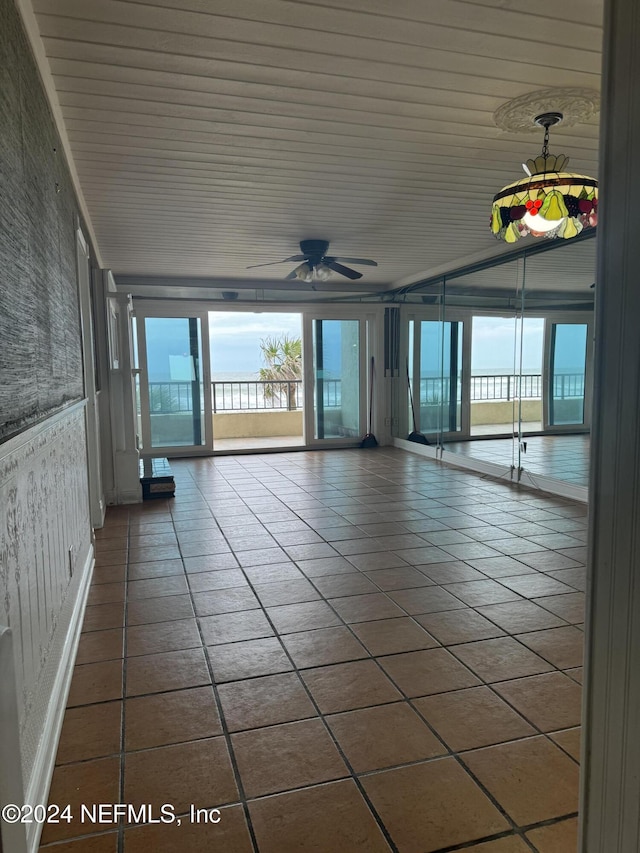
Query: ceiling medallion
x=549, y=202
x=577, y=105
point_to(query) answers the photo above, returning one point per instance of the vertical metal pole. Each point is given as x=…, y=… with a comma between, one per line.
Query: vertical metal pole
x=196, y=409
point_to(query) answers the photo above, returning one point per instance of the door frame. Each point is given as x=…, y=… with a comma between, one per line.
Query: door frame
x=581, y=319
x=143, y=312
x=336, y=313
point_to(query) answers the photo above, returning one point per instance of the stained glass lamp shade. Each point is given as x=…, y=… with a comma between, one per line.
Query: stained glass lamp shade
x=549, y=202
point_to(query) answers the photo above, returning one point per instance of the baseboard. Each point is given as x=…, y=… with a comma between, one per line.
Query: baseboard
x=38, y=791
x=131, y=496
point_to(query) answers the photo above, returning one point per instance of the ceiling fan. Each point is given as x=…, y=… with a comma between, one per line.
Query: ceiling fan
x=317, y=265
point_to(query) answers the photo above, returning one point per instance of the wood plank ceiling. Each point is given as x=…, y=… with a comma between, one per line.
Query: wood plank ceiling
x=213, y=134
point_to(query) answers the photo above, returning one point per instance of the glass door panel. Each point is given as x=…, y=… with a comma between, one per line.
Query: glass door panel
x=337, y=367
x=440, y=396
x=567, y=370
x=174, y=378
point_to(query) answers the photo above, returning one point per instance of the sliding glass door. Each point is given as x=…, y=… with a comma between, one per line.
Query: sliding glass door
x=175, y=400
x=334, y=367
x=567, y=357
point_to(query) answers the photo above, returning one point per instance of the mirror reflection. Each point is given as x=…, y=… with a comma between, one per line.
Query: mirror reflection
x=500, y=362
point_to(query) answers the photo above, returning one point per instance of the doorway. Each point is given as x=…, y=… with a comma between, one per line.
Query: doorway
x=257, y=393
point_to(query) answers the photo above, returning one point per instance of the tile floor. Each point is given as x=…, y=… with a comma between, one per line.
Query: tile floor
x=344, y=651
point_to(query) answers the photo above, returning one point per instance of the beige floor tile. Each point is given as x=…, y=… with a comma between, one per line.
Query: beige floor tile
x=106, y=593
x=350, y=583
x=384, y=736
x=218, y=601
x=109, y=574
x=156, y=587
x=575, y=674
x=433, y=805
x=159, y=637
x=425, y=672
x=500, y=659
x=372, y=561
x=166, y=718
x=166, y=671
x=559, y=837
x=105, y=843
x=285, y=592
x=516, y=617
x=388, y=636
x=96, y=682
x=346, y=686
x=325, y=566
x=428, y=599
x=264, y=701
x=90, y=731
x=87, y=783
x=468, y=719
x=230, y=835
x=95, y=646
x=569, y=740
x=234, y=627
x=509, y=844
x=483, y=592
x=299, y=821
x=365, y=608
x=280, y=758
x=550, y=701
x=563, y=647
x=459, y=626
x=569, y=607
x=323, y=646
x=101, y=617
x=222, y=579
x=198, y=773
x=292, y=618
x=164, y=609
x=157, y=569
x=533, y=780
x=248, y=659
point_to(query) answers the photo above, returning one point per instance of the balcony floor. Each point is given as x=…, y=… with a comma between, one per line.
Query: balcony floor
x=228, y=445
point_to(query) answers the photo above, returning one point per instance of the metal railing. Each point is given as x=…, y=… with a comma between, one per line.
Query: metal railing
x=493, y=387
x=170, y=397
x=256, y=395
x=253, y=395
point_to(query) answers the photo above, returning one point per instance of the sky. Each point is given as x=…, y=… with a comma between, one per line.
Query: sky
x=235, y=338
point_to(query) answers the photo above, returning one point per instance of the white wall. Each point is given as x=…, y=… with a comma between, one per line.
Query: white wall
x=46, y=557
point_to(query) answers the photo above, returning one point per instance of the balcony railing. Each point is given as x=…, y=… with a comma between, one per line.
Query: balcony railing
x=490, y=387
x=173, y=397
x=256, y=396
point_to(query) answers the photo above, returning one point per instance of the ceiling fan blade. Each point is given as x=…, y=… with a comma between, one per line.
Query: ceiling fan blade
x=336, y=267
x=365, y=262
x=271, y=263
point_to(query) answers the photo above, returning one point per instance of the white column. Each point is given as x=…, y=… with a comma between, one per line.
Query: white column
x=123, y=404
x=611, y=749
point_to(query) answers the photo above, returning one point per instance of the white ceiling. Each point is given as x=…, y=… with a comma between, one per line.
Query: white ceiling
x=213, y=134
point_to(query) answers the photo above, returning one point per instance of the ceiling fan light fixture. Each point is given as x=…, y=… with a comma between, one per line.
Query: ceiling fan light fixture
x=549, y=202
x=322, y=272
x=304, y=272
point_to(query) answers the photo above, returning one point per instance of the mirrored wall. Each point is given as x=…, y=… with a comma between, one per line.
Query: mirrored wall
x=499, y=366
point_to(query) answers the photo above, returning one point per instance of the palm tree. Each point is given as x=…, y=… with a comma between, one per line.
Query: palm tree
x=283, y=359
